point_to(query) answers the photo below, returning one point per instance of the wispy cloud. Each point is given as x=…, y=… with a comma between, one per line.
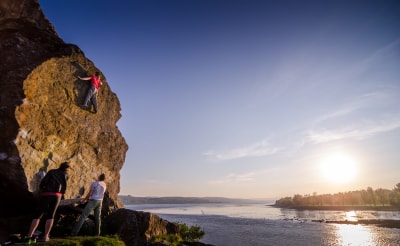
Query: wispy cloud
x=380, y=56
x=363, y=101
x=339, y=113
x=355, y=132
x=235, y=178
x=262, y=148
x=382, y=53
x=364, y=117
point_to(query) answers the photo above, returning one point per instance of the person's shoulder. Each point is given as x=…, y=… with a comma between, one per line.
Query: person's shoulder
x=59, y=173
x=58, y=170
x=52, y=171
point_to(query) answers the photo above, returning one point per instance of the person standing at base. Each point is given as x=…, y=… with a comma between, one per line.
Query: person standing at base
x=93, y=90
x=95, y=200
x=52, y=189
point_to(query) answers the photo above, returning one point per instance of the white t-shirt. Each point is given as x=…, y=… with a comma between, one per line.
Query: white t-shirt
x=98, y=188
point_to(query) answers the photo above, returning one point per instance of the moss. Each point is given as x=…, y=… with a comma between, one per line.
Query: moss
x=85, y=241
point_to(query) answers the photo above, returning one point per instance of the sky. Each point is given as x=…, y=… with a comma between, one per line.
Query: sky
x=247, y=99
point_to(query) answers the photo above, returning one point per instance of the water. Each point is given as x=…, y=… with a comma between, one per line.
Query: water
x=260, y=225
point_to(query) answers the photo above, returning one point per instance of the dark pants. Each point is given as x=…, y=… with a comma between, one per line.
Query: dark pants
x=48, y=205
x=91, y=95
x=95, y=205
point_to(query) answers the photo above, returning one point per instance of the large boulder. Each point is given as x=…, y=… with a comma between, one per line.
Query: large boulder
x=136, y=228
x=41, y=123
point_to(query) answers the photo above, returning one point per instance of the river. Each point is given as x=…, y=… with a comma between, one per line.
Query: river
x=261, y=225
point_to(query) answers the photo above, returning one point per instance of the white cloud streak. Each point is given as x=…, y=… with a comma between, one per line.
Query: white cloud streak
x=361, y=126
x=262, y=148
x=361, y=132
x=235, y=178
x=382, y=53
x=362, y=102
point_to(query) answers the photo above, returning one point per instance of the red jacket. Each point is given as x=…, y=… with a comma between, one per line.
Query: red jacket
x=96, y=82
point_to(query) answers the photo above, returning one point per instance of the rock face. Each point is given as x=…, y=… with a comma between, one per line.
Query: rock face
x=138, y=227
x=41, y=123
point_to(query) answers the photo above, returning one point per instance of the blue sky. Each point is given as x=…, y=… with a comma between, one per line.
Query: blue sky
x=247, y=99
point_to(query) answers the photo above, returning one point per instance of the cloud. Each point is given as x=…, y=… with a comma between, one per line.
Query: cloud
x=261, y=148
x=360, y=132
x=382, y=53
x=380, y=56
x=235, y=178
x=339, y=113
x=364, y=117
x=364, y=101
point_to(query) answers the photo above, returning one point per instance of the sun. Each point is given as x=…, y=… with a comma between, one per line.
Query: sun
x=339, y=168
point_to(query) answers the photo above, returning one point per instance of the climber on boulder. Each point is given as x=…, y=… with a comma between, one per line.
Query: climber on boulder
x=93, y=90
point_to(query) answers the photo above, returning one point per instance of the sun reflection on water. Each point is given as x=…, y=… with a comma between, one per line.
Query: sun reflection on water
x=354, y=235
x=351, y=216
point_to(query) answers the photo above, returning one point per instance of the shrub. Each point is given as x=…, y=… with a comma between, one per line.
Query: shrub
x=190, y=234
x=186, y=234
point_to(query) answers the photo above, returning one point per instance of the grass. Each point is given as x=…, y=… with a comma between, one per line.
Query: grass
x=84, y=241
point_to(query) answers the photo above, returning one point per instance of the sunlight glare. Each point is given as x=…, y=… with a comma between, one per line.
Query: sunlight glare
x=339, y=168
x=351, y=216
x=356, y=235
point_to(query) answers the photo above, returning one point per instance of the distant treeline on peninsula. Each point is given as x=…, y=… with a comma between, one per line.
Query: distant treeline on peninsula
x=131, y=200
x=379, y=199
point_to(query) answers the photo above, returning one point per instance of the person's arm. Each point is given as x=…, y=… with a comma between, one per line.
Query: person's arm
x=84, y=78
x=87, y=196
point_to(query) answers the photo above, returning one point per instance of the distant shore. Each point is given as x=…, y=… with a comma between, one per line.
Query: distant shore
x=342, y=208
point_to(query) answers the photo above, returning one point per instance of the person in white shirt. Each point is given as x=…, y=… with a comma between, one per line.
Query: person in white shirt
x=95, y=200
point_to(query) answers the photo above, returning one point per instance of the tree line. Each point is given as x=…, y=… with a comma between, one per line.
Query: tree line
x=366, y=197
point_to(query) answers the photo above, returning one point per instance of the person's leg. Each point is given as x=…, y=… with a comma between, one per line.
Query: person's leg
x=89, y=95
x=94, y=101
x=34, y=225
x=47, y=229
x=85, y=213
x=41, y=207
x=55, y=201
x=97, y=218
